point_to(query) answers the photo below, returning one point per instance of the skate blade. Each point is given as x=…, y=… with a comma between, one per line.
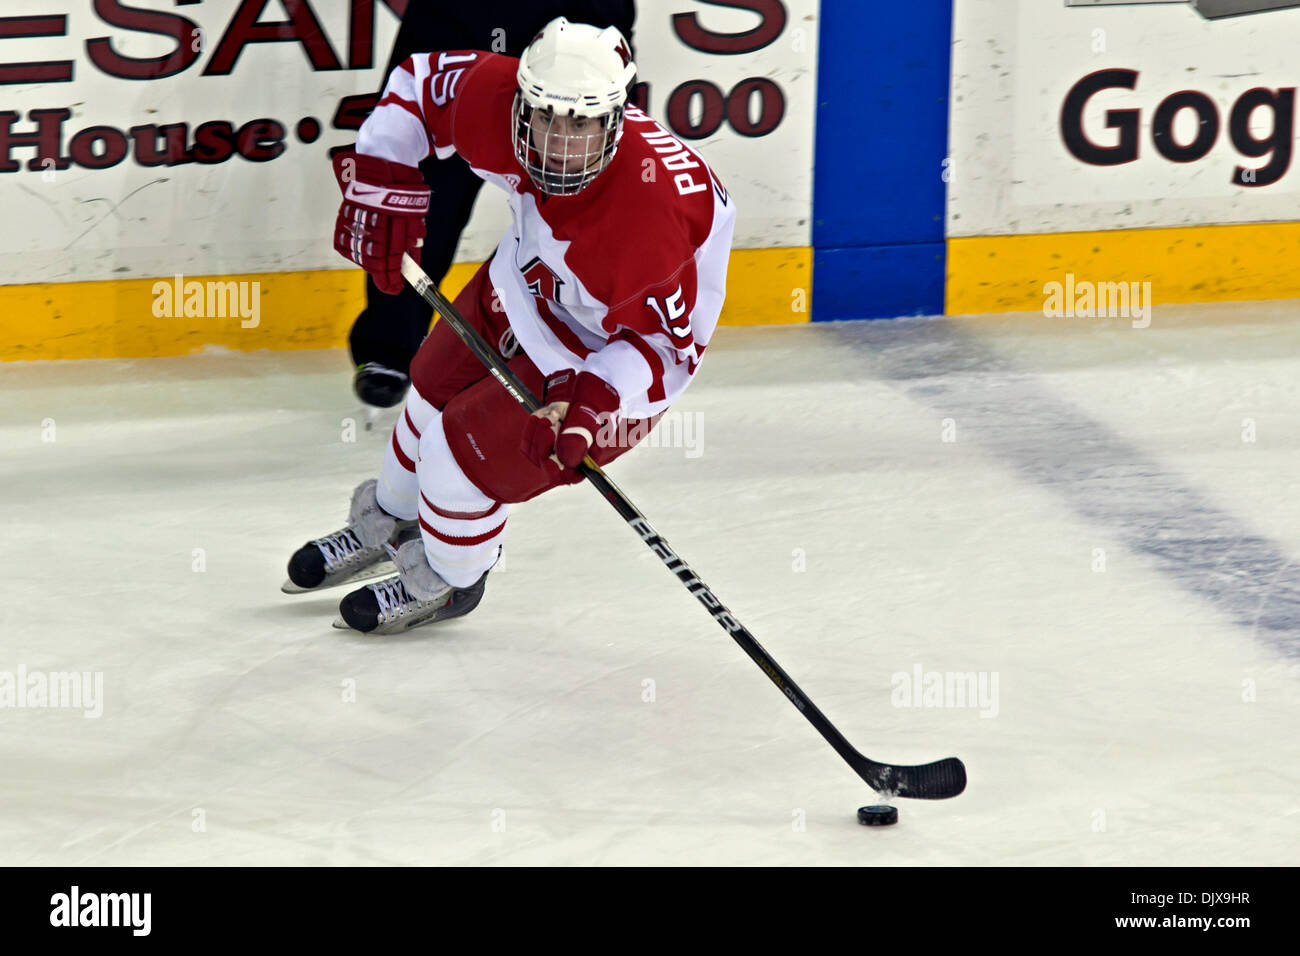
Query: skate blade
x=384, y=569
x=341, y=625
x=458, y=605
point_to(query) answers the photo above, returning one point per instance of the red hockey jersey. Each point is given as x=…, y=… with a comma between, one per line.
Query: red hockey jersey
x=626, y=279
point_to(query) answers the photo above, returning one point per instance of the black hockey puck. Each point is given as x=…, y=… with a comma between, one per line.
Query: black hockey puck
x=877, y=816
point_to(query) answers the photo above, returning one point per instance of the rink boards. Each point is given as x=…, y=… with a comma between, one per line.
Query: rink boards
x=1129, y=143
x=967, y=155
x=194, y=141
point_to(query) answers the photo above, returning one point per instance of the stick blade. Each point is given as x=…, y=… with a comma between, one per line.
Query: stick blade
x=930, y=781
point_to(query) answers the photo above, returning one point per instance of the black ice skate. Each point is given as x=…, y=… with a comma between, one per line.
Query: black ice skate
x=415, y=596
x=380, y=386
x=356, y=553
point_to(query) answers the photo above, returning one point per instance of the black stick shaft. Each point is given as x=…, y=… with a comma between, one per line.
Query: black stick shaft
x=944, y=778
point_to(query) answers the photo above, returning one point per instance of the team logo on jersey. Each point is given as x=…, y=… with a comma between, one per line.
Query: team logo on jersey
x=541, y=281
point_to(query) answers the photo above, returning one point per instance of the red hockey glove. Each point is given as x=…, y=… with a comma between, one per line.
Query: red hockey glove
x=588, y=397
x=382, y=216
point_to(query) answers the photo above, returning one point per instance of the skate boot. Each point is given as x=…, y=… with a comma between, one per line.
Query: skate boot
x=355, y=553
x=415, y=596
x=380, y=386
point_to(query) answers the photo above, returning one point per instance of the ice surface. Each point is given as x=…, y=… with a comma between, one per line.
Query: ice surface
x=590, y=711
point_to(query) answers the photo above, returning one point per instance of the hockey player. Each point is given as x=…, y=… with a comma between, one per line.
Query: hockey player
x=388, y=331
x=602, y=296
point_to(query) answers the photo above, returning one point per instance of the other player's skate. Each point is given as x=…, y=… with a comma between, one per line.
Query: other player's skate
x=415, y=596
x=380, y=386
x=355, y=553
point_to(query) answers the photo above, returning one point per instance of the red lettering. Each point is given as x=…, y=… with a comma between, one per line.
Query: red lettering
x=180, y=29
x=361, y=30
x=260, y=140
x=771, y=106
x=214, y=142
x=353, y=110
x=351, y=113
x=734, y=106
x=48, y=25
x=44, y=71
x=173, y=151
x=83, y=152
x=773, y=16
x=713, y=109
x=102, y=147
x=301, y=27
x=47, y=138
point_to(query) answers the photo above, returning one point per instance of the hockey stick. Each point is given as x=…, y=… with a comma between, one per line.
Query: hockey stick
x=931, y=781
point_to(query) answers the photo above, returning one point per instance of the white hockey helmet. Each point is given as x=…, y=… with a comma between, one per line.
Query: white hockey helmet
x=568, y=113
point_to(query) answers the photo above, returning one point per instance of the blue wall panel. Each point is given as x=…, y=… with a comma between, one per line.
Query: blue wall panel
x=882, y=136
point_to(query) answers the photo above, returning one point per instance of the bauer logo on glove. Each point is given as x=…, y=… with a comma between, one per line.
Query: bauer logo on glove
x=382, y=215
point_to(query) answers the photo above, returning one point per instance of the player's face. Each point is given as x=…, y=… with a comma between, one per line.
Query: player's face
x=567, y=144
